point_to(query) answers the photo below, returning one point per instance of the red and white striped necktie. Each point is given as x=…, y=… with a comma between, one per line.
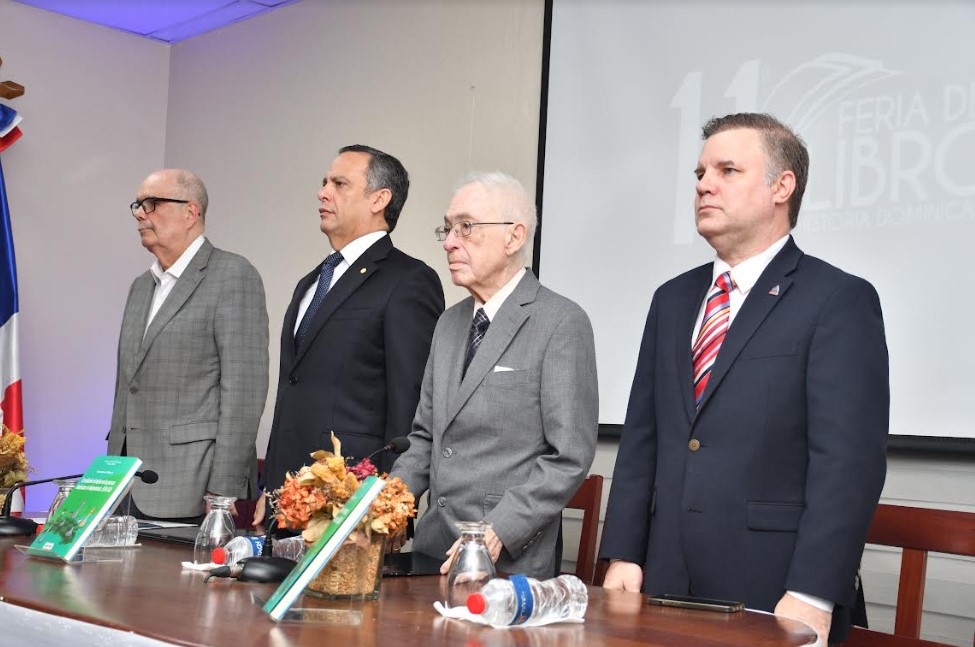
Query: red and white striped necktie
x=714, y=328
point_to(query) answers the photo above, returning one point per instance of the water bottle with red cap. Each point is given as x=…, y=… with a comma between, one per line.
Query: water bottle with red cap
x=240, y=547
x=525, y=601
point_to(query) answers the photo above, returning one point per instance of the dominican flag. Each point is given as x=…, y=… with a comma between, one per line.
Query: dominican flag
x=11, y=407
x=9, y=130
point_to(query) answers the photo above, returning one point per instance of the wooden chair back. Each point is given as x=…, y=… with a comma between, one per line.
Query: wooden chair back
x=588, y=498
x=245, y=507
x=917, y=531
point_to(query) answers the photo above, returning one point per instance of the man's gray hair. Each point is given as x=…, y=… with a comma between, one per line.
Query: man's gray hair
x=192, y=188
x=513, y=201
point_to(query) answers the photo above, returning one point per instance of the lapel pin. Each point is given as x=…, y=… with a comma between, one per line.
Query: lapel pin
x=362, y=271
x=774, y=291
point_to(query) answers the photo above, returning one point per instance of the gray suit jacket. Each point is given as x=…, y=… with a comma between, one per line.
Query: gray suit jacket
x=188, y=397
x=507, y=446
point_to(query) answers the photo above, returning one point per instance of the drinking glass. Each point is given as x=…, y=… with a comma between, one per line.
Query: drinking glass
x=217, y=528
x=64, y=487
x=471, y=567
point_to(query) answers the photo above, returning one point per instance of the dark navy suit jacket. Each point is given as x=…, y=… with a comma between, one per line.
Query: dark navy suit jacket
x=769, y=485
x=359, y=371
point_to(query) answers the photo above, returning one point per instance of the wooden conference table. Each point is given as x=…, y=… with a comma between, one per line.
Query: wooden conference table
x=150, y=594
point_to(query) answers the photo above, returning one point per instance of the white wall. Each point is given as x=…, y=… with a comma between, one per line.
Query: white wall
x=260, y=108
x=94, y=125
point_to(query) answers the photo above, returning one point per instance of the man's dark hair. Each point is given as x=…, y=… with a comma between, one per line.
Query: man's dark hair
x=784, y=150
x=384, y=172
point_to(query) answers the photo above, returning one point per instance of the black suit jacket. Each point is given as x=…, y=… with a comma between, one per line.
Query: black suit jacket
x=360, y=368
x=771, y=484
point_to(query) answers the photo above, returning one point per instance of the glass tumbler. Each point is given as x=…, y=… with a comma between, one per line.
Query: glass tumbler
x=217, y=528
x=472, y=566
x=64, y=487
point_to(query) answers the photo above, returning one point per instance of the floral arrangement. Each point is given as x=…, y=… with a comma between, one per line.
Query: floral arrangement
x=311, y=497
x=13, y=461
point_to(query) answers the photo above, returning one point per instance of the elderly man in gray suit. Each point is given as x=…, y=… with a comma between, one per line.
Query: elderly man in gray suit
x=192, y=359
x=505, y=430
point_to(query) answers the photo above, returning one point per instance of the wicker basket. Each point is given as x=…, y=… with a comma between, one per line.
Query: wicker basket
x=355, y=572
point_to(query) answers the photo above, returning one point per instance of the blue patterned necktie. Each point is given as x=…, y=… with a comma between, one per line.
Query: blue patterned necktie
x=479, y=328
x=324, y=281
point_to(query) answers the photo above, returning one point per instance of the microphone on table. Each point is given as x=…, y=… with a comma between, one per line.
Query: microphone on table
x=21, y=527
x=396, y=445
x=256, y=569
x=148, y=476
x=261, y=568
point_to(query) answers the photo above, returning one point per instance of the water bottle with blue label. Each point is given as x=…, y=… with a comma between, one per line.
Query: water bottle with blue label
x=524, y=601
x=239, y=548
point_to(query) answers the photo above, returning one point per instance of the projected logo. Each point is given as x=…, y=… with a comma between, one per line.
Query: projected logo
x=887, y=147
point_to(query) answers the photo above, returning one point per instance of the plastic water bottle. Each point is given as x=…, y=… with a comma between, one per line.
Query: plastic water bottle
x=114, y=532
x=522, y=600
x=240, y=547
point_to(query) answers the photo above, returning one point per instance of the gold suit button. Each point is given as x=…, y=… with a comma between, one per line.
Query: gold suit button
x=694, y=445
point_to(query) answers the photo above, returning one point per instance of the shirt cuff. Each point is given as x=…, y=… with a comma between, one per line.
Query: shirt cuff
x=819, y=603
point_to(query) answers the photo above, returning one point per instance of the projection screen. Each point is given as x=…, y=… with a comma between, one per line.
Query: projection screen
x=882, y=92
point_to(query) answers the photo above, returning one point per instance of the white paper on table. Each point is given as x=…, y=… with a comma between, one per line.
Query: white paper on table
x=159, y=523
x=193, y=566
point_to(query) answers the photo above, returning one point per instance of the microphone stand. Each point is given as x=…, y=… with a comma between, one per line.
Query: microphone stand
x=17, y=526
x=20, y=526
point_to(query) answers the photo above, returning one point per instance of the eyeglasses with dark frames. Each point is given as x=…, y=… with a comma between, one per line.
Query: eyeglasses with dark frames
x=463, y=229
x=148, y=203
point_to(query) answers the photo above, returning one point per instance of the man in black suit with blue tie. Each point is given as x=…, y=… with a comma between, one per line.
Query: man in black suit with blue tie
x=357, y=333
x=754, y=448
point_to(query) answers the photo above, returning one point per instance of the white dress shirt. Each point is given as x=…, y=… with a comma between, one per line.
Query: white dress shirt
x=350, y=254
x=745, y=275
x=165, y=280
x=495, y=302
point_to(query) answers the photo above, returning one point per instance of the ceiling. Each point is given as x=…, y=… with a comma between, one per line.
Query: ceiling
x=169, y=21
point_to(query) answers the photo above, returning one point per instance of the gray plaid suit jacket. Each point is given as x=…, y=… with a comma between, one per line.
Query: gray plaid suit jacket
x=507, y=446
x=188, y=397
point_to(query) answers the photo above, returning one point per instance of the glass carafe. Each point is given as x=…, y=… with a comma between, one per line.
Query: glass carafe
x=64, y=487
x=471, y=567
x=217, y=528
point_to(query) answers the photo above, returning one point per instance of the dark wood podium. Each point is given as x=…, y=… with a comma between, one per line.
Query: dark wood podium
x=150, y=594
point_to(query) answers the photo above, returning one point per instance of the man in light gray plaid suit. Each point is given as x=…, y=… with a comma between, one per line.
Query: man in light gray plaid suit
x=505, y=430
x=192, y=359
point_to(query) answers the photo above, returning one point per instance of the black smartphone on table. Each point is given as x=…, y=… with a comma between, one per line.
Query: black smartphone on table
x=691, y=602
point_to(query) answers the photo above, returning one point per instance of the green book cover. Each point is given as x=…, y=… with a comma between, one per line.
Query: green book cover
x=91, y=500
x=318, y=554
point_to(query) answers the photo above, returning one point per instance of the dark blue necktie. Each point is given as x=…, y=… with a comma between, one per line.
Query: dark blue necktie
x=478, y=329
x=324, y=281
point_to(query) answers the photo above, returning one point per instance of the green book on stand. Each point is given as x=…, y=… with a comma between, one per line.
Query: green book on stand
x=318, y=554
x=95, y=496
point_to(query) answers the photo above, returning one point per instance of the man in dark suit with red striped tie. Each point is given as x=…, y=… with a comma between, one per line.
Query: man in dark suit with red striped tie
x=754, y=448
